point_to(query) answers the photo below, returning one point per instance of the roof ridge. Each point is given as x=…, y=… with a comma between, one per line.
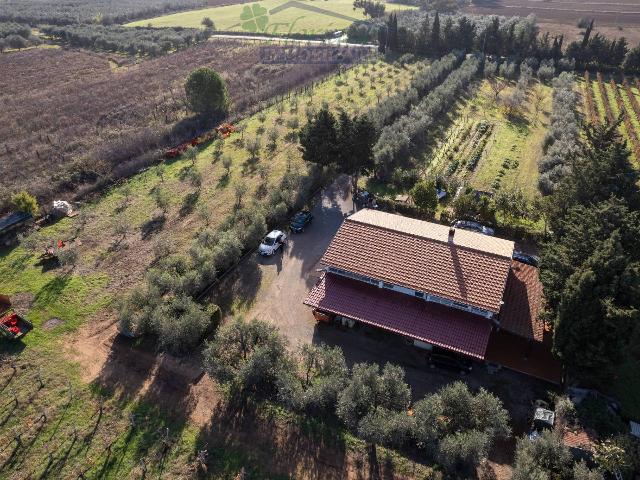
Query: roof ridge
x=423, y=237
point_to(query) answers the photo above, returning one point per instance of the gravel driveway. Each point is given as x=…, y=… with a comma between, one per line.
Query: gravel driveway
x=287, y=277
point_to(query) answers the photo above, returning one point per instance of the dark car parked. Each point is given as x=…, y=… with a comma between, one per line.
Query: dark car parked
x=300, y=221
x=526, y=258
x=442, y=358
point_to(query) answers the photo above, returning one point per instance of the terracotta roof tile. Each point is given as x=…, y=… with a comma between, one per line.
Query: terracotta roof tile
x=522, y=302
x=429, y=265
x=430, y=322
x=579, y=438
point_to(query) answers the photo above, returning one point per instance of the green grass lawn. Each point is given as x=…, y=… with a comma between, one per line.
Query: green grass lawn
x=260, y=17
x=104, y=269
x=515, y=146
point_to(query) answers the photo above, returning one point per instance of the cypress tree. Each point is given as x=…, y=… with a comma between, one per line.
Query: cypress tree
x=435, y=36
x=422, y=43
x=587, y=34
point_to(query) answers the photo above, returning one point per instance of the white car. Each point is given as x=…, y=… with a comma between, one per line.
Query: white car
x=272, y=242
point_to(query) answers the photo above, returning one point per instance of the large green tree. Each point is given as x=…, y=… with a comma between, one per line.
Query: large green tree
x=598, y=309
x=318, y=138
x=206, y=92
x=355, y=139
x=590, y=267
x=424, y=195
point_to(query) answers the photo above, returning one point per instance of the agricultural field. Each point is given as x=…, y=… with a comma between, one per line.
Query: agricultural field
x=267, y=17
x=560, y=17
x=488, y=150
x=76, y=11
x=143, y=419
x=89, y=117
x=606, y=97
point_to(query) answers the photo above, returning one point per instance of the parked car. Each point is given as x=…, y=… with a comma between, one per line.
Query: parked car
x=272, y=243
x=300, y=221
x=474, y=227
x=543, y=419
x=526, y=258
x=364, y=199
x=444, y=359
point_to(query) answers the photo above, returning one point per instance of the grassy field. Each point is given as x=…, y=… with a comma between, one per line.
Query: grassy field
x=513, y=145
x=265, y=17
x=107, y=428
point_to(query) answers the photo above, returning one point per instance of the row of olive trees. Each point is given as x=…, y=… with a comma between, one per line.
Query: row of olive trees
x=453, y=426
x=564, y=132
x=164, y=305
x=422, y=82
x=16, y=35
x=131, y=41
x=408, y=134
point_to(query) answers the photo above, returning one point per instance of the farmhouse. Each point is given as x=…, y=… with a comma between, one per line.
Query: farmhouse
x=449, y=288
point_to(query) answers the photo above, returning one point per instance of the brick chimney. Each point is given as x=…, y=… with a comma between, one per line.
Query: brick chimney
x=452, y=232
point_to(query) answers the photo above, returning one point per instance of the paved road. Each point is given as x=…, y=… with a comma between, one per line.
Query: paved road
x=332, y=41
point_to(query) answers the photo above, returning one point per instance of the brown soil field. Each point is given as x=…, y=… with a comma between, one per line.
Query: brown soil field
x=613, y=18
x=73, y=118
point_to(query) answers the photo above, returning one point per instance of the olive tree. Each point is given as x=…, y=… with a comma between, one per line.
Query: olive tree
x=461, y=453
x=249, y=356
x=321, y=373
x=370, y=393
x=253, y=146
x=545, y=457
x=180, y=323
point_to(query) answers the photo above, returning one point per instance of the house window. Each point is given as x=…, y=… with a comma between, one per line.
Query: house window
x=419, y=294
x=388, y=285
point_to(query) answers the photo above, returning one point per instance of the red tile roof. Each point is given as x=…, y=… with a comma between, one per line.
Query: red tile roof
x=519, y=354
x=522, y=302
x=582, y=439
x=445, y=269
x=399, y=313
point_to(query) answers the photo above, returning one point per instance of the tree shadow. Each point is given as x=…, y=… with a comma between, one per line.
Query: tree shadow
x=330, y=208
x=189, y=203
x=47, y=264
x=224, y=180
x=152, y=226
x=250, y=165
x=239, y=288
x=127, y=367
x=51, y=291
x=282, y=444
x=161, y=386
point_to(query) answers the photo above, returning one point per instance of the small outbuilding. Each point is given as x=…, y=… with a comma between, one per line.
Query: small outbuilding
x=11, y=223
